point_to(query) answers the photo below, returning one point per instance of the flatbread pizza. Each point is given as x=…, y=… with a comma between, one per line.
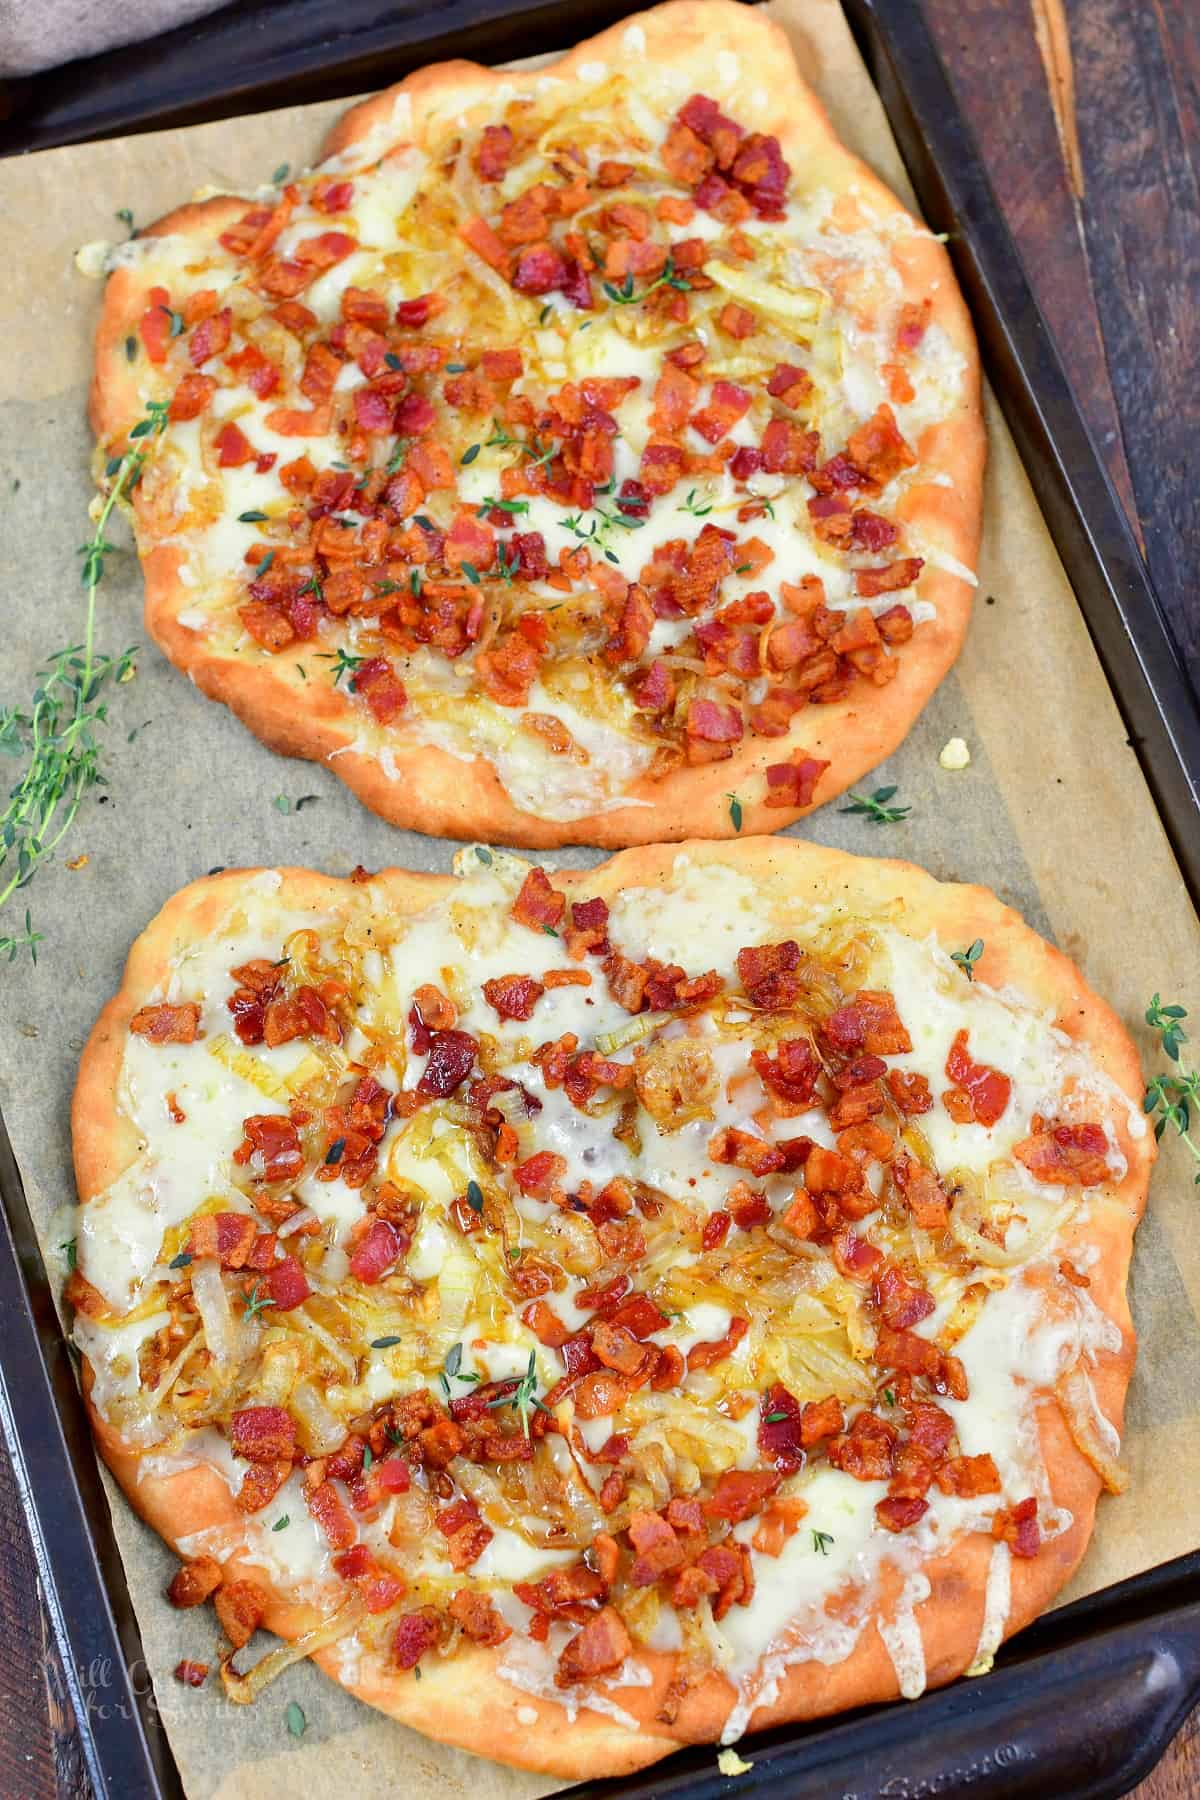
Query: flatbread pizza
x=595, y=1312
x=566, y=451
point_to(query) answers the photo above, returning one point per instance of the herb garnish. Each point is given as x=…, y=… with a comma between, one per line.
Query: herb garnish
x=334, y=1153
x=296, y=1721
x=257, y=1302
x=966, y=959
x=282, y=1522
x=524, y=1398
x=485, y=856
x=875, y=806
x=474, y=1196
x=452, y=1370
x=281, y=174
x=1173, y=1096
x=692, y=505
x=735, y=811
x=385, y=1343
x=503, y=440
x=58, y=735
x=68, y=1249
x=342, y=664
x=821, y=1541
x=625, y=296
x=181, y=1261
x=774, y=1418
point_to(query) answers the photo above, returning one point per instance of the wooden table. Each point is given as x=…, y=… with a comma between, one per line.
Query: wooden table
x=1104, y=200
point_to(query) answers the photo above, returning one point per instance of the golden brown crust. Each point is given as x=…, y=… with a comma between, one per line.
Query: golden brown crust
x=436, y=792
x=465, y=1702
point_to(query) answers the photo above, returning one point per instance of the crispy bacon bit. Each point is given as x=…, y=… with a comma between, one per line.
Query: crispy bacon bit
x=261, y=1482
x=779, y=1429
x=273, y=1139
x=1018, y=1527
x=910, y=1092
x=288, y=1284
x=869, y=1022
x=377, y=1251
x=658, y=1549
x=494, y=152
x=164, y=1024
x=195, y=1581
x=381, y=688
x=794, y=783
x=968, y=1476
x=922, y=1193
x=451, y=1059
x=191, y=1674
x=898, y=1511
x=1066, y=1155
x=878, y=449
x=900, y=1302
x=702, y=1356
x=191, y=397
x=790, y=1077
x=227, y=1236
x=741, y=1492
x=416, y=1633
x=601, y=1646
x=240, y=1606
x=768, y=975
x=867, y=1451
x=540, y=1173
x=538, y=904
x=211, y=336
x=980, y=1094
x=513, y=996
x=477, y=1616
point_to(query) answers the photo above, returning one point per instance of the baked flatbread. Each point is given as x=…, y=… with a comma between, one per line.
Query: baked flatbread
x=653, y=1303
x=567, y=452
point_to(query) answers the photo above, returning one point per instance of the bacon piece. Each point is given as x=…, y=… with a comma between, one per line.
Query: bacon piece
x=794, y=783
x=191, y=1674
x=788, y=449
x=922, y=1193
x=905, y=1351
x=867, y=1451
x=240, y=1606
x=195, y=1581
x=167, y=1024
x=878, y=449
x=968, y=1476
x=381, y=688
x=897, y=1512
x=741, y=1492
x=451, y=1059
x=210, y=336
x=538, y=904
x=273, y=1138
x=1018, y=1527
x=416, y=1633
x=658, y=1549
x=513, y=996
x=477, y=1616
x=191, y=397
x=661, y=466
x=601, y=1646
x=288, y=1284
x=779, y=1429
x=540, y=1173
x=790, y=1077
x=600, y=1394
x=888, y=578
x=1066, y=1155
x=715, y=726
x=744, y=1151
x=901, y=1303
x=869, y=1022
x=702, y=1356
x=261, y=1482
x=910, y=1092
x=227, y=1236
x=234, y=449
x=728, y=403
x=984, y=1091
x=829, y=1172
x=326, y=1507
x=378, y=1250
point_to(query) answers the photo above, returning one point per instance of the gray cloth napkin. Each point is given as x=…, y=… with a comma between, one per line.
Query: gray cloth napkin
x=41, y=34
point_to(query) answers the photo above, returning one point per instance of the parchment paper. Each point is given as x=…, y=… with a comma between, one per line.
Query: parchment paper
x=1053, y=813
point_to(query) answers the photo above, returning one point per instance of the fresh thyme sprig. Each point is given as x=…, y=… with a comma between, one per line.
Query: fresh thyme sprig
x=57, y=737
x=966, y=959
x=343, y=664
x=875, y=806
x=624, y=295
x=524, y=1397
x=1173, y=1096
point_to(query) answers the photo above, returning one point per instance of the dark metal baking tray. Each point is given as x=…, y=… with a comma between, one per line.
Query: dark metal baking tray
x=1082, y=1704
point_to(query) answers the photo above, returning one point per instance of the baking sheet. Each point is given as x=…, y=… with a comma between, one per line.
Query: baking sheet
x=1052, y=812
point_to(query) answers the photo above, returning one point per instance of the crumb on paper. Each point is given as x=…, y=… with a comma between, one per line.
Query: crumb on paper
x=79, y=862
x=91, y=259
x=730, y=1763
x=955, y=754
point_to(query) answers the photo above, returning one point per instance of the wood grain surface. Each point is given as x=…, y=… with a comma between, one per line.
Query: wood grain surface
x=1117, y=272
